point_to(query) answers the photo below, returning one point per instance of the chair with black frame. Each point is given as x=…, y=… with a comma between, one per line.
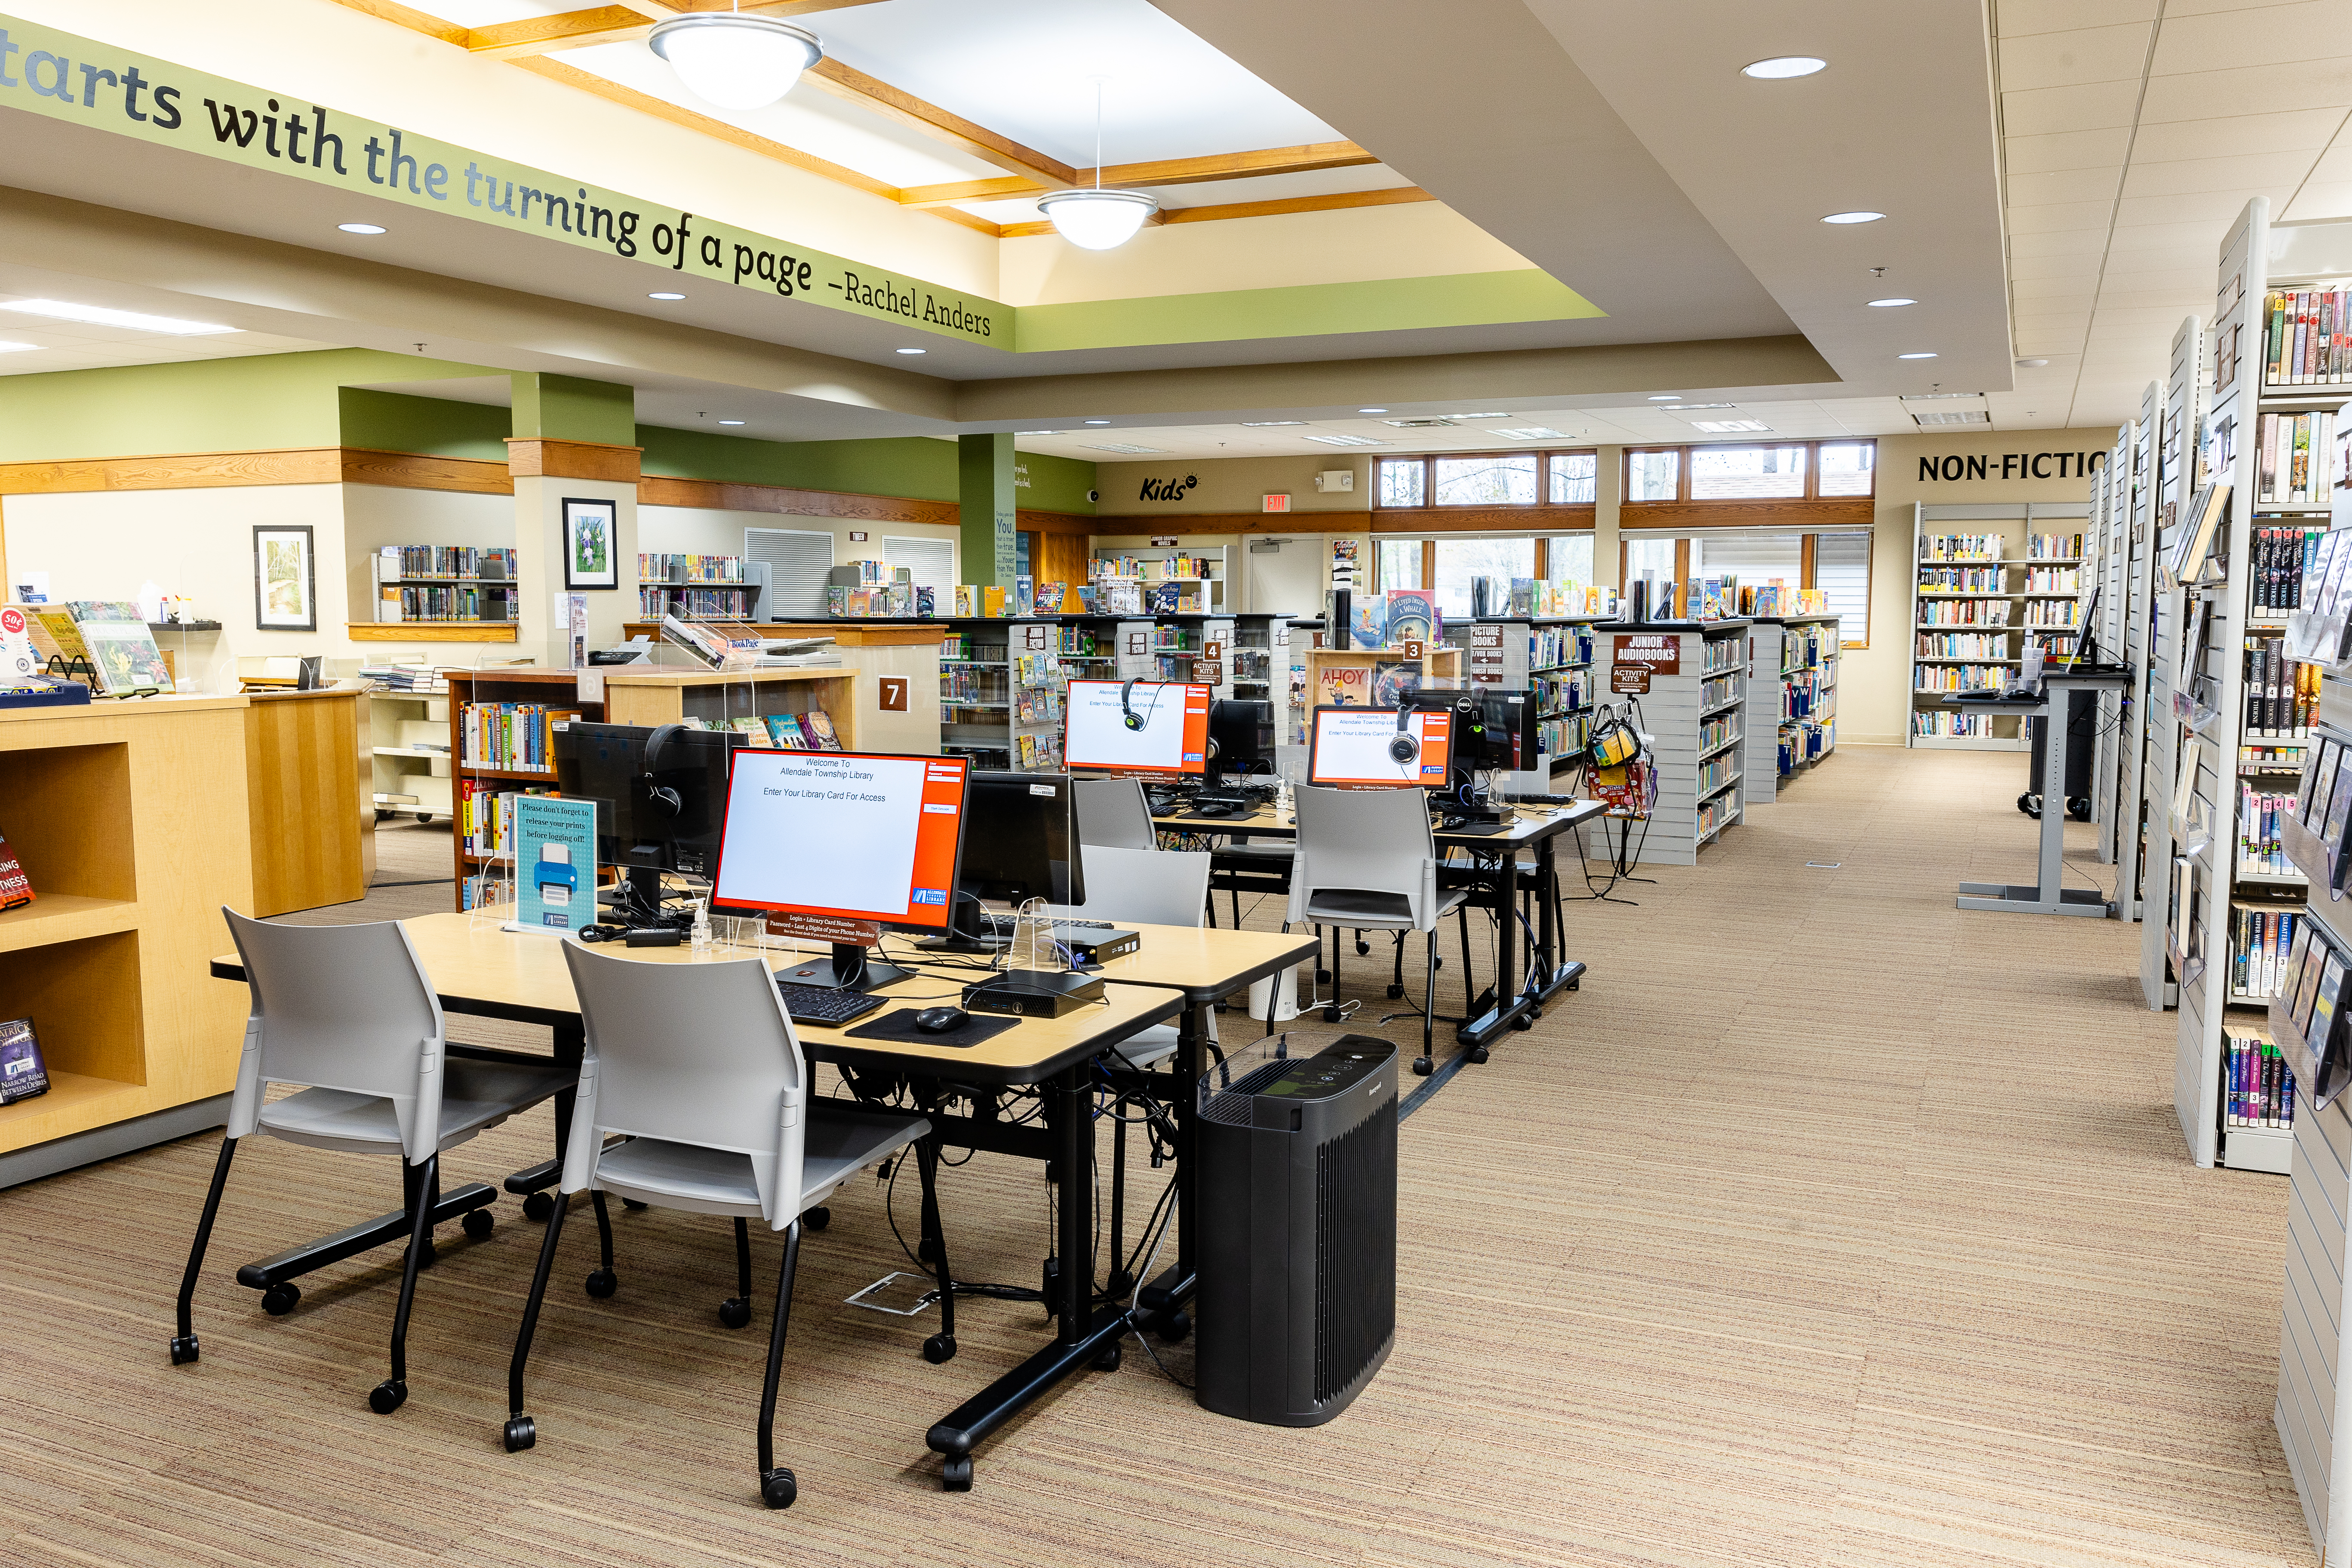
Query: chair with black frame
x=347, y=1013
x=695, y=1072
x=1368, y=861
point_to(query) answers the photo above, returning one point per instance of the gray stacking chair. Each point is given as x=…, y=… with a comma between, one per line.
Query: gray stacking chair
x=695, y=1069
x=1113, y=814
x=1368, y=861
x=348, y=1013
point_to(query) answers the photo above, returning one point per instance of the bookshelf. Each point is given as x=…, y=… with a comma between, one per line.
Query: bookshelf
x=2168, y=412
x=1003, y=688
x=1549, y=655
x=409, y=755
x=701, y=587
x=1195, y=576
x=1695, y=716
x=1987, y=583
x=529, y=696
x=1792, y=668
x=444, y=583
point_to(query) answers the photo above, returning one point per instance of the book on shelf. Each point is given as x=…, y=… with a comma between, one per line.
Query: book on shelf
x=1413, y=617
x=396, y=562
x=22, y=1073
x=2281, y=694
x=2260, y=1086
x=2308, y=337
x=2259, y=846
x=2053, y=547
x=509, y=737
x=16, y=888
x=670, y=567
x=2293, y=458
x=2261, y=938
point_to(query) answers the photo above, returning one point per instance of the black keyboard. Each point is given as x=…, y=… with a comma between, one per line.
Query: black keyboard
x=824, y=1003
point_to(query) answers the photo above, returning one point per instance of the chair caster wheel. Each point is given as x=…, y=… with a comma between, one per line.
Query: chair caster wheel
x=520, y=1434
x=1577, y=984
x=1395, y=992
x=1333, y=1016
x=1363, y=948
x=183, y=1348
x=1107, y=1358
x=279, y=1299
x=1441, y=962
x=1322, y=977
x=939, y=1348
x=632, y=1205
x=734, y=1312
x=1423, y=1067
x=1174, y=1327
x=928, y=1251
x=387, y=1396
x=818, y=1218
x=478, y=1223
x=955, y=1475
x=1477, y=1054
x=603, y=1283
x=538, y=1207
x=778, y=1488
x=1525, y=1021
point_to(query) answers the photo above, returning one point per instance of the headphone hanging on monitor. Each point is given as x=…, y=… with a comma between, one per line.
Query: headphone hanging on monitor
x=1130, y=717
x=1406, y=746
x=655, y=744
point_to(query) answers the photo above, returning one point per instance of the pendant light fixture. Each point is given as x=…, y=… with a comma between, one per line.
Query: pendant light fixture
x=1098, y=219
x=733, y=61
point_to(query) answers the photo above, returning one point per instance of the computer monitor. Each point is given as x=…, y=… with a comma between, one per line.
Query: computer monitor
x=658, y=791
x=1020, y=842
x=1138, y=726
x=1358, y=748
x=842, y=845
x=1241, y=735
x=1494, y=728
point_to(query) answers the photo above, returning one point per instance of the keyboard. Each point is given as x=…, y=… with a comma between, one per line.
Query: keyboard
x=1008, y=922
x=823, y=1004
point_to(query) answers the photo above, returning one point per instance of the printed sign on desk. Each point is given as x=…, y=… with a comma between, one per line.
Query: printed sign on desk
x=555, y=855
x=16, y=655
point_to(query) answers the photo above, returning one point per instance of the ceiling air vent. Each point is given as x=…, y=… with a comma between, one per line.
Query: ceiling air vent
x=1952, y=417
x=1420, y=424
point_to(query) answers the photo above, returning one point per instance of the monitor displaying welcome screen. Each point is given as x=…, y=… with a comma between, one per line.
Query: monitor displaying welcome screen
x=1170, y=734
x=1349, y=746
x=847, y=834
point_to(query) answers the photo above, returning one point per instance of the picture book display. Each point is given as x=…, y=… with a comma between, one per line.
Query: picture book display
x=120, y=646
x=23, y=1074
x=1413, y=617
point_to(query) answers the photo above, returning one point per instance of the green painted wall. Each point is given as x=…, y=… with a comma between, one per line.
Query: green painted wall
x=1473, y=298
x=1052, y=484
x=434, y=427
x=567, y=408
x=200, y=406
x=986, y=504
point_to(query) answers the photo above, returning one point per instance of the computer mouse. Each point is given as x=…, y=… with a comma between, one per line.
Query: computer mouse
x=939, y=1020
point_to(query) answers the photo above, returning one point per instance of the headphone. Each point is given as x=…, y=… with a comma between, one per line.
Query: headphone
x=661, y=794
x=1132, y=719
x=1406, y=746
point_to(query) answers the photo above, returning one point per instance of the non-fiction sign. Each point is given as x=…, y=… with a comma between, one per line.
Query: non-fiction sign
x=555, y=863
x=1661, y=653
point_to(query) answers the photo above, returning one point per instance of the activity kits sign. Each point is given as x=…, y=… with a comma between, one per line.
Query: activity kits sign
x=63, y=77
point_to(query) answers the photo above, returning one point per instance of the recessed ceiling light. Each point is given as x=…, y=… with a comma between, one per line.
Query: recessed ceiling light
x=1347, y=441
x=914, y=350
x=1097, y=421
x=1781, y=67
x=9, y=348
x=1371, y=411
x=361, y=227
x=1269, y=424
x=2032, y=363
x=730, y=422
x=1688, y=407
x=1532, y=433
x=1725, y=426
x=1915, y=356
x=99, y=316
x=665, y=296
x=1853, y=217
x=1885, y=304
x=1665, y=398
x=1487, y=414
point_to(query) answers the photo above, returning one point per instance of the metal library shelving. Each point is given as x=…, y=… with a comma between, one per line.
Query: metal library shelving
x=2170, y=415
x=1982, y=589
x=1694, y=716
x=1551, y=655
x=1795, y=659
x=702, y=587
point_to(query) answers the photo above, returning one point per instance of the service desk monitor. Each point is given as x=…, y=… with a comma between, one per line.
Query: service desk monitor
x=1139, y=726
x=1380, y=748
x=2046, y=896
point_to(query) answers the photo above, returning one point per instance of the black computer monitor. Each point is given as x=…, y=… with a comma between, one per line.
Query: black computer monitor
x=1023, y=842
x=659, y=795
x=1241, y=736
x=1494, y=728
x=839, y=846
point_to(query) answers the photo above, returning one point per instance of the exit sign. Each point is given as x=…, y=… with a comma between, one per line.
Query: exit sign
x=1275, y=503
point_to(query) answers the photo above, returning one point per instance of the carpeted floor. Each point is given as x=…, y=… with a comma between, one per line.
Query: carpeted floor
x=1825, y=1226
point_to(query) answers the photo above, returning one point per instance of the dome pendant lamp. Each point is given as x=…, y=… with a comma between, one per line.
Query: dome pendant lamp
x=733, y=61
x=1098, y=219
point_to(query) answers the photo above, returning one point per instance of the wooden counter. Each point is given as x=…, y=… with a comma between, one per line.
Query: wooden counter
x=310, y=799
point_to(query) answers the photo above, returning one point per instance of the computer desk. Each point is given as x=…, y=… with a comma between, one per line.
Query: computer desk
x=480, y=971
x=1549, y=974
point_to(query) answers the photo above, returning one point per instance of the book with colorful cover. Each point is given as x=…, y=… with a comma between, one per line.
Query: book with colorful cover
x=1394, y=679
x=23, y=1074
x=816, y=724
x=1346, y=685
x=16, y=888
x=121, y=648
x=783, y=730
x=1413, y=617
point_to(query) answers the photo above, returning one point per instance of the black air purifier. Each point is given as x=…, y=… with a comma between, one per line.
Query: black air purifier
x=1298, y=1145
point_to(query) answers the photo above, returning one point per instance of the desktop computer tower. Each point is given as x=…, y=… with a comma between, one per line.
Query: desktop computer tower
x=1298, y=1149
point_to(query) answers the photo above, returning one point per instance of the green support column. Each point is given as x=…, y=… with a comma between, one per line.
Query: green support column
x=984, y=494
x=567, y=408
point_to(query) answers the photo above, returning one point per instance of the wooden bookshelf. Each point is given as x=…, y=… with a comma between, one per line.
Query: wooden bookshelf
x=555, y=688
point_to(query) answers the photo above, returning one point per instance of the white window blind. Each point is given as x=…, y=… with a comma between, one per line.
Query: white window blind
x=797, y=564
x=930, y=563
x=1842, y=569
x=1749, y=557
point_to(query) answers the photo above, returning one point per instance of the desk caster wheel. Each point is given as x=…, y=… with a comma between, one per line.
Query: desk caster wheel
x=1525, y=1021
x=928, y=1251
x=383, y=815
x=603, y=1283
x=478, y=1223
x=1363, y=947
x=1476, y=1055
x=955, y=1475
x=734, y=1312
x=1395, y=992
x=1577, y=984
x=939, y=1348
x=1322, y=977
x=632, y=1205
x=183, y=1348
x=778, y=1488
x=538, y=1207
x=1174, y=1326
x=387, y=1396
x=1423, y=1067
x=1332, y=1014
x=2078, y=806
x=521, y=1433
x=818, y=1218
x=279, y=1299
x=1107, y=1358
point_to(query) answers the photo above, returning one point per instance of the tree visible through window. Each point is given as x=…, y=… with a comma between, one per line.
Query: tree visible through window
x=1507, y=478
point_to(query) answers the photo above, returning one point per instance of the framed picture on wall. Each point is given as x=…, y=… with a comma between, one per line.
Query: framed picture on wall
x=285, y=581
x=590, y=528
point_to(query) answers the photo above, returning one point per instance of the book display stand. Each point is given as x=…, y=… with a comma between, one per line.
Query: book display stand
x=1689, y=681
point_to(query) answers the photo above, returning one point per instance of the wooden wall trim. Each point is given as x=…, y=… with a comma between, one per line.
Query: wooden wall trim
x=718, y=496
x=412, y=471
x=175, y=472
x=1483, y=519
x=541, y=457
x=1125, y=525
x=1032, y=521
x=1792, y=516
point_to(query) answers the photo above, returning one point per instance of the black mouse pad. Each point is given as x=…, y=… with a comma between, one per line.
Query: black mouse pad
x=898, y=1026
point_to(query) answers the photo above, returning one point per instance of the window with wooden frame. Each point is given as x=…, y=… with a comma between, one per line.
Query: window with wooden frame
x=1837, y=563
x=1479, y=491
x=1729, y=486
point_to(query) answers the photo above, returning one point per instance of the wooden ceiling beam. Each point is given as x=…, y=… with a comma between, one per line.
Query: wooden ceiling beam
x=1303, y=159
x=856, y=87
x=1006, y=189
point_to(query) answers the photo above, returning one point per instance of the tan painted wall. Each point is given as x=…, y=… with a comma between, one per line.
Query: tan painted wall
x=1228, y=484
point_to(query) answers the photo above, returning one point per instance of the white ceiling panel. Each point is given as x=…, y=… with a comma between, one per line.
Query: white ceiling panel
x=2203, y=209
x=2020, y=18
x=2067, y=149
x=2090, y=242
x=2250, y=89
x=2055, y=108
x=2236, y=135
x=2092, y=216
x=2320, y=200
x=2240, y=174
x=2070, y=58
x=2095, y=183
x=2226, y=41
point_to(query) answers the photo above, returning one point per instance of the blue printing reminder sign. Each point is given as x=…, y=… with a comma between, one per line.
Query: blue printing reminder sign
x=555, y=863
